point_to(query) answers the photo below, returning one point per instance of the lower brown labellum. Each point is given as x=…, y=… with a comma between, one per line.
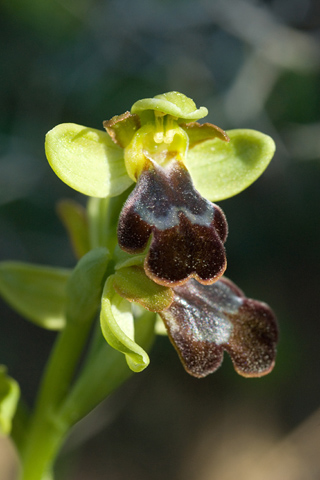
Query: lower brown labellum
x=187, y=231
x=203, y=321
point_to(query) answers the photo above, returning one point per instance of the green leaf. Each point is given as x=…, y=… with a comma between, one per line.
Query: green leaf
x=36, y=292
x=117, y=325
x=9, y=396
x=133, y=284
x=221, y=170
x=74, y=218
x=87, y=160
x=85, y=285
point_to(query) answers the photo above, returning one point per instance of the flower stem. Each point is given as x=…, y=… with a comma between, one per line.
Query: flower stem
x=104, y=371
x=60, y=404
x=47, y=431
x=97, y=213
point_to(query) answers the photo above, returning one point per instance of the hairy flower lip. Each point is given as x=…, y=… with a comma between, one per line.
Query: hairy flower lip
x=187, y=232
x=151, y=260
x=204, y=321
x=241, y=362
x=178, y=283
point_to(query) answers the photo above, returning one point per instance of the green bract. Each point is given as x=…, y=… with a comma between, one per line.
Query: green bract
x=223, y=169
x=38, y=293
x=85, y=285
x=9, y=396
x=87, y=160
x=124, y=259
x=116, y=320
x=133, y=284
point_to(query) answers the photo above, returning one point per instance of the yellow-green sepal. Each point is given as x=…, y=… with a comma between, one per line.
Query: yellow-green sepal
x=223, y=169
x=9, y=397
x=133, y=284
x=117, y=325
x=87, y=160
x=38, y=293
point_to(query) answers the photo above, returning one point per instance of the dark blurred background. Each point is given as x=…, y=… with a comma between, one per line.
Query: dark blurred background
x=254, y=64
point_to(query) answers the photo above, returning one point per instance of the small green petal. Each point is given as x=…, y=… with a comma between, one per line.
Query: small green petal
x=121, y=128
x=87, y=160
x=38, y=293
x=221, y=170
x=9, y=396
x=74, y=218
x=133, y=284
x=198, y=133
x=171, y=103
x=117, y=325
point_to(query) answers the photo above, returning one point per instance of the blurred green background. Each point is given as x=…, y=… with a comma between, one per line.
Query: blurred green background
x=254, y=64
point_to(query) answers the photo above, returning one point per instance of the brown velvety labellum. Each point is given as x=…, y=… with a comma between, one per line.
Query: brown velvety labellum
x=187, y=230
x=203, y=321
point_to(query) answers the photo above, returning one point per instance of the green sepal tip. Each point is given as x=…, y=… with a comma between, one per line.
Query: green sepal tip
x=117, y=325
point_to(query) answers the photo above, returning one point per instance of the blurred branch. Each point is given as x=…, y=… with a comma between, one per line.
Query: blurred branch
x=257, y=26
x=303, y=141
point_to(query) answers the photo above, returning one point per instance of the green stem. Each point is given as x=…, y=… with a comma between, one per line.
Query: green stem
x=20, y=425
x=44, y=443
x=108, y=371
x=105, y=370
x=47, y=431
x=98, y=228
x=59, y=405
x=103, y=215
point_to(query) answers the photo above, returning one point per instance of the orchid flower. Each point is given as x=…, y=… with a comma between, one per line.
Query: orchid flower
x=166, y=240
